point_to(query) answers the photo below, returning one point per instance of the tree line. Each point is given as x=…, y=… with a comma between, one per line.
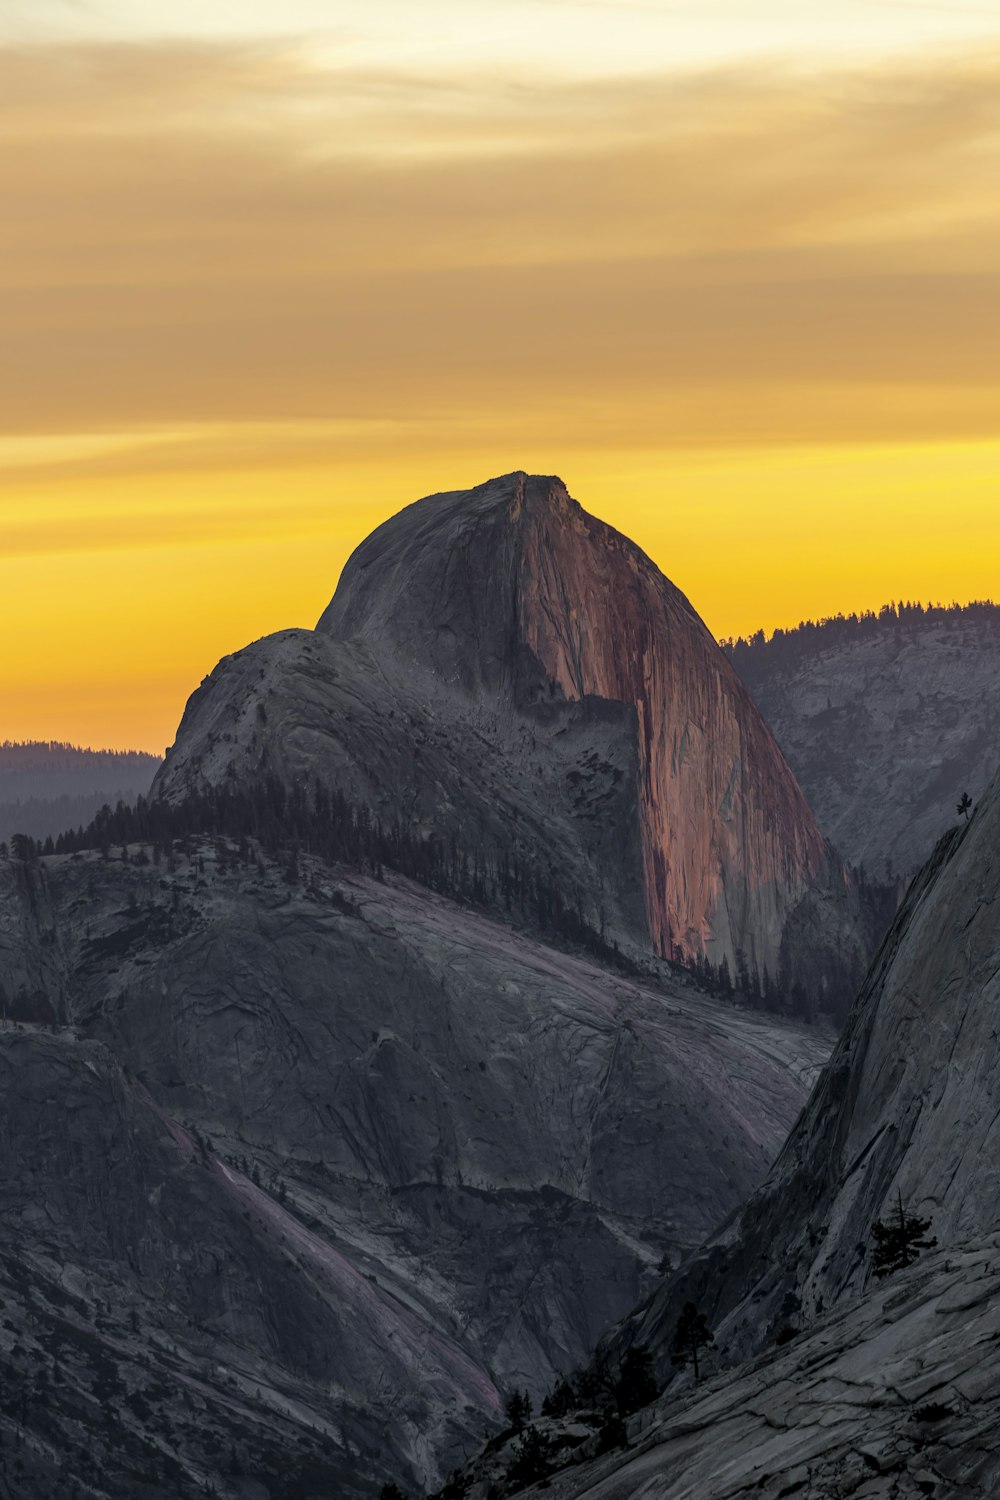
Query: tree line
x=265, y=817
x=758, y=655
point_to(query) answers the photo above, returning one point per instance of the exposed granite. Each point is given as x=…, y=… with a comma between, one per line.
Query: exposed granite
x=889, y=1388
x=895, y=1395
x=886, y=732
x=499, y=664
x=336, y=1163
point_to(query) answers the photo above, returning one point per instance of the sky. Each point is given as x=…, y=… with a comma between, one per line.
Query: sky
x=269, y=272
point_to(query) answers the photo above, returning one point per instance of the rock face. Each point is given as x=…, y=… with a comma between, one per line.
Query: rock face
x=895, y=1395
x=909, y=1102
x=302, y=1178
x=885, y=726
x=886, y=1388
x=499, y=664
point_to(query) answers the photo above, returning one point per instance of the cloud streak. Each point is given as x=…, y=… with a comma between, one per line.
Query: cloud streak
x=250, y=304
x=199, y=233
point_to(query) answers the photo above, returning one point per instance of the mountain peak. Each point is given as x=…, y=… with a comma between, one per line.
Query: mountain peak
x=478, y=636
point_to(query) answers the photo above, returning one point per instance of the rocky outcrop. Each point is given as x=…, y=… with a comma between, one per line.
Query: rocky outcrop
x=315, y=1172
x=894, y=1396
x=884, y=1388
x=908, y=1103
x=881, y=1388
x=885, y=725
x=499, y=666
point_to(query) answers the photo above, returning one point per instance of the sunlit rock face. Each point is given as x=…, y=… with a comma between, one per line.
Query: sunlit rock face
x=513, y=588
x=908, y=1105
x=499, y=662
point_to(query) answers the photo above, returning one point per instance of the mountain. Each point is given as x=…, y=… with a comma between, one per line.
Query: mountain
x=887, y=1388
x=885, y=719
x=348, y=1083
x=513, y=678
x=47, y=787
x=301, y=1175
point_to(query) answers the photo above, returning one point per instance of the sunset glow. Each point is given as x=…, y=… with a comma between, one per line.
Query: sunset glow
x=730, y=270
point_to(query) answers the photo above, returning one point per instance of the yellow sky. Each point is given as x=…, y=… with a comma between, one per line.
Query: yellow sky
x=259, y=290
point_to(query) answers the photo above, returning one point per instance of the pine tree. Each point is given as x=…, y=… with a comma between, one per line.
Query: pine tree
x=560, y=1401
x=899, y=1241
x=518, y=1409
x=637, y=1386
x=965, y=803
x=692, y=1333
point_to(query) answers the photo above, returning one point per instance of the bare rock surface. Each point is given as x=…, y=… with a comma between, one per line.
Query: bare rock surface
x=895, y=1395
x=499, y=665
x=885, y=1388
x=324, y=1169
x=886, y=731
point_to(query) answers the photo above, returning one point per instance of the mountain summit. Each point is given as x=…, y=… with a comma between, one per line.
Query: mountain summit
x=501, y=669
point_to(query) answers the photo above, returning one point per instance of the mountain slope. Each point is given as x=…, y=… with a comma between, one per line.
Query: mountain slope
x=894, y=1395
x=889, y=1389
x=340, y=1159
x=500, y=668
x=885, y=721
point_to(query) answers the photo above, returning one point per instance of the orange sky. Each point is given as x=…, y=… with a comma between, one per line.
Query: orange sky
x=259, y=291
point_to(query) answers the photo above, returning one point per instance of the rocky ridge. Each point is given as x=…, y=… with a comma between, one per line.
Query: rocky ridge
x=885, y=726
x=887, y=1389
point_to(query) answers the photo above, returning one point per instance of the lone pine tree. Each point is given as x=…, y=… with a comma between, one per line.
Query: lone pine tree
x=964, y=805
x=899, y=1241
x=518, y=1409
x=692, y=1333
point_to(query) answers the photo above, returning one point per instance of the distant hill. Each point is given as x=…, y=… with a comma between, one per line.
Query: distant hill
x=47, y=787
x=885, y=717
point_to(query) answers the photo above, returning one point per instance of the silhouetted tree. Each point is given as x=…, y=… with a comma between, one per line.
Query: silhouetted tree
x=691, y=1334
x=391, y=1492
x=899, y=1241
x=964, y=804
x=22, y=847
x=518, y=1409
x=636, y=1386
x=560, y=1401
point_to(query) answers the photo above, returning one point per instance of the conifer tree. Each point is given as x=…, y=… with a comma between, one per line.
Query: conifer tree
x=691, y=1334
x=636, y=1385
x=899, y=1241
x=518, y=1409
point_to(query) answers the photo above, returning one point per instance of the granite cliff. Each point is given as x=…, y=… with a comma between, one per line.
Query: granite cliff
x=499, y=667
x=875, y=1388
x=885, y=721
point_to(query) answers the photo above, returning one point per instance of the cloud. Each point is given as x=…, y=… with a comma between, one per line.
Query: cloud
x=237, y=235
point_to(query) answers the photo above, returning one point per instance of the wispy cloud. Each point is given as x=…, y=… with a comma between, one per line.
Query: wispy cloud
x=233, y=234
